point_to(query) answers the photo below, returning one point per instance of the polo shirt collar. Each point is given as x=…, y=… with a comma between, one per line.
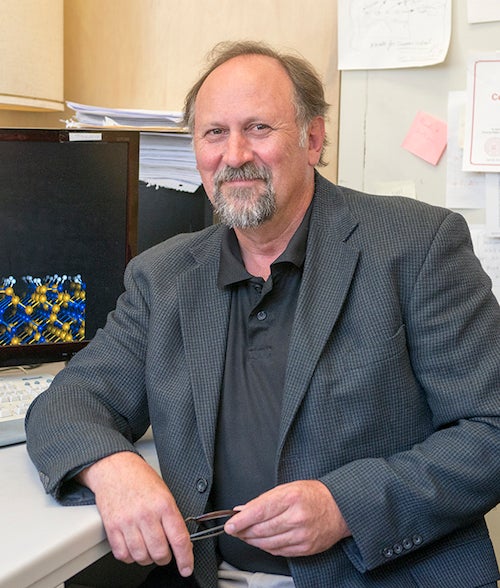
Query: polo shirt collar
x=231, y=267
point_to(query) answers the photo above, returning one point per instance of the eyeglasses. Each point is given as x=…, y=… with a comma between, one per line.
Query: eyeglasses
x=207, y=531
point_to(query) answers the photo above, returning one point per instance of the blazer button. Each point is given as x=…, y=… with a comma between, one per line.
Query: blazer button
x=398, y=548
x=201, y=485
x=387, y=552
x=417, y=539
x=407, y=543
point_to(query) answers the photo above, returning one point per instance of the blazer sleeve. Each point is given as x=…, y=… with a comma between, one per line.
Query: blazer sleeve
x=97, y=405
x=450, y=479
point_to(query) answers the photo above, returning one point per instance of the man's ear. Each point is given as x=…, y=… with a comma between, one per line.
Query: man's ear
x=316, y=138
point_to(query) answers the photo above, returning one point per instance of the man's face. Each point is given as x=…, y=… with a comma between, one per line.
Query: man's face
x=247, y=142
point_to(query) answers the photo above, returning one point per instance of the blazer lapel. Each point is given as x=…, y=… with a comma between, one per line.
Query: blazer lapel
x=328, y=271
x=204, y=313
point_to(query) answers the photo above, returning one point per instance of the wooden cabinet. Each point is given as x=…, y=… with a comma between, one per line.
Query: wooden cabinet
x=147, y=53
x=31, y=46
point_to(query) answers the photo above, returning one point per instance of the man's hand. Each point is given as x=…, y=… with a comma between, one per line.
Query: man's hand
x=140, y=516
x=295, y=519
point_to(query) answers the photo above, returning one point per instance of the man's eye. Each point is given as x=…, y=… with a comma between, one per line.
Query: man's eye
x=215, y=132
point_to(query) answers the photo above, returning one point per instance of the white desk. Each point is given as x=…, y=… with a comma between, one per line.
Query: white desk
x=42, y=543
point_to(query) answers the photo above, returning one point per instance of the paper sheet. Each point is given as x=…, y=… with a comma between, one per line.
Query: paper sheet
x=483, y=10
x=426, y=138
x=396, y=188
x=487, y=249
x=381, y=34
x=482, y=123
x=463, y=189
x=493, y=204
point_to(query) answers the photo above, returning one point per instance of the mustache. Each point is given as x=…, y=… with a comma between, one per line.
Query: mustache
x=248, y=171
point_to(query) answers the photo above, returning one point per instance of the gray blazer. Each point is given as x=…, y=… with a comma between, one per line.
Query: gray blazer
x=391, y=396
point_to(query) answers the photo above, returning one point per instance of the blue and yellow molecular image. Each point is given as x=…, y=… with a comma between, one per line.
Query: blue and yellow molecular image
x=48, y=310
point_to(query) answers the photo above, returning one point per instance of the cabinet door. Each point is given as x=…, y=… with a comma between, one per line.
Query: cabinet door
x=31, y=46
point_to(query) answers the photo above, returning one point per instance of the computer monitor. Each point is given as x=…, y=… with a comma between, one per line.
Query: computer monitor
x=68, y=210
x=164, y=212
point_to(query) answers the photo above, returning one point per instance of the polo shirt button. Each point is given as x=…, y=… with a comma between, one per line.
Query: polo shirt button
x=261, y=315
x=387, y=552
x=201, y=485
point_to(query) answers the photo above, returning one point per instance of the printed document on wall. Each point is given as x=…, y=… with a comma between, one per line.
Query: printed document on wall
x=483, y=10
x=493, y=204
x=384, y=34
x=487, y=249
x=463, y=189
x=482, y=123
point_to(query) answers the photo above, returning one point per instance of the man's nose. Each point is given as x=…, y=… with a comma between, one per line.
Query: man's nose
x=237, y=150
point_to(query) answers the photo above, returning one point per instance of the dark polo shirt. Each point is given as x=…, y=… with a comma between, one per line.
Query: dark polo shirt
x=260, y=324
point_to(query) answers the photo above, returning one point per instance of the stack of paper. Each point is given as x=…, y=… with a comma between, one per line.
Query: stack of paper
x=166, y=158
x=88, y=116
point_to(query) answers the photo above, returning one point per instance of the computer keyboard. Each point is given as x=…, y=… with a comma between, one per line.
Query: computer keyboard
x=16, y=394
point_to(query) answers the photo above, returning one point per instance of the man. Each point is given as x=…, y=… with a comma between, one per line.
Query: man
x=325, y=362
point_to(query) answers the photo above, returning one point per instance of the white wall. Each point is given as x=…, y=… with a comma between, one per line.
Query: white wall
x=377, y=108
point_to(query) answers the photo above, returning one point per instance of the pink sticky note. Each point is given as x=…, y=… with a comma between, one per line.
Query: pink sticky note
x=426, y=138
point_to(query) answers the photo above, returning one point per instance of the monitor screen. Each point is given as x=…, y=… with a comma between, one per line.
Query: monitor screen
x=68, y=209
x=164, y=212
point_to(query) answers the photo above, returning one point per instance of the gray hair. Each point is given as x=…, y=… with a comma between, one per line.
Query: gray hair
x=309, y=95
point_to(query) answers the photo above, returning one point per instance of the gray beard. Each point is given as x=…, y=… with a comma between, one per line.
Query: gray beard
x=241, y=208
